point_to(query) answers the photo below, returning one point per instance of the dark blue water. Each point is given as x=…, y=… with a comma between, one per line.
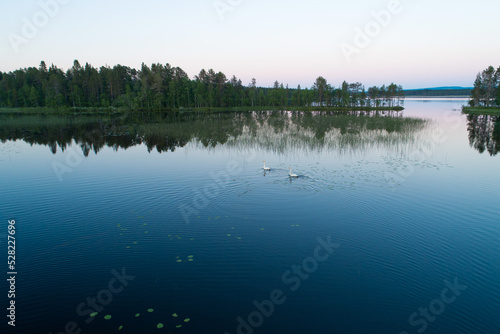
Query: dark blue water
x=368, y=239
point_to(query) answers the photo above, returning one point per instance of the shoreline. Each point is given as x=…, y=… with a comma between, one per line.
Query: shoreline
x=492, y=111
x=108, y=111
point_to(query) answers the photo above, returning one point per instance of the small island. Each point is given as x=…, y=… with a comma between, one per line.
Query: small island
x=485, y=96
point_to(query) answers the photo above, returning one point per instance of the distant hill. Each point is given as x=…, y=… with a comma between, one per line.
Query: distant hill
x=450, y=91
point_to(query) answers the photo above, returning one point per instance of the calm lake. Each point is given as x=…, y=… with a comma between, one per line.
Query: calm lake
x=169, y=224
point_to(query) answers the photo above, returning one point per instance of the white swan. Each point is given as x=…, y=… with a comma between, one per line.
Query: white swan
x=291, y=174
x=265, y=168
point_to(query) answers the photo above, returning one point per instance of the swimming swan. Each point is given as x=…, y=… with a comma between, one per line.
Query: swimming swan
x=265, y=168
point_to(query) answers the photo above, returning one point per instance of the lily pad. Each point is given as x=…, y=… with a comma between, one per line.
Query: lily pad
x=107, y=317
x=187, y=320
x=179, y=260
x=94, y=314
x=175, y=315
x=120, y=328
x=160, y=325
x=137, y=315
x=150, y=310
x=178, y=326
x=190, y=260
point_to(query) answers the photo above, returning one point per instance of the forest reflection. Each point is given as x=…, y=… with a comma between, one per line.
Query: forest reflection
x=484, y=133
x=274, y=131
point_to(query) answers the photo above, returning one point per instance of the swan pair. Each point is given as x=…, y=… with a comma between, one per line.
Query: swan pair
x=265, y=168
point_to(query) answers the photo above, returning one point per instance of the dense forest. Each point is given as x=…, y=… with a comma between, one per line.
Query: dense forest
x=486, y=91
x=438, y=92
x=163, y=87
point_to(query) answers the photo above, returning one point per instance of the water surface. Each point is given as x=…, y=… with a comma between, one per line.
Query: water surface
x=182, y=203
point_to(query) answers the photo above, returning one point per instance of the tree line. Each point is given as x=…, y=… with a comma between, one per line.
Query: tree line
x=438, y=92
x=486, y=91
x=163, y=87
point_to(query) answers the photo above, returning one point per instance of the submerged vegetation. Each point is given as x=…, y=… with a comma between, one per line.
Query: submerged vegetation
x=274, y=131
x=164, y=88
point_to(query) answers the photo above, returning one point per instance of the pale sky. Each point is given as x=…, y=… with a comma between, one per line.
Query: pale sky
x=420, y=44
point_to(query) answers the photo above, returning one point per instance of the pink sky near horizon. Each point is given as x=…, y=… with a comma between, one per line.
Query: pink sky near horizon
x=425, y=44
